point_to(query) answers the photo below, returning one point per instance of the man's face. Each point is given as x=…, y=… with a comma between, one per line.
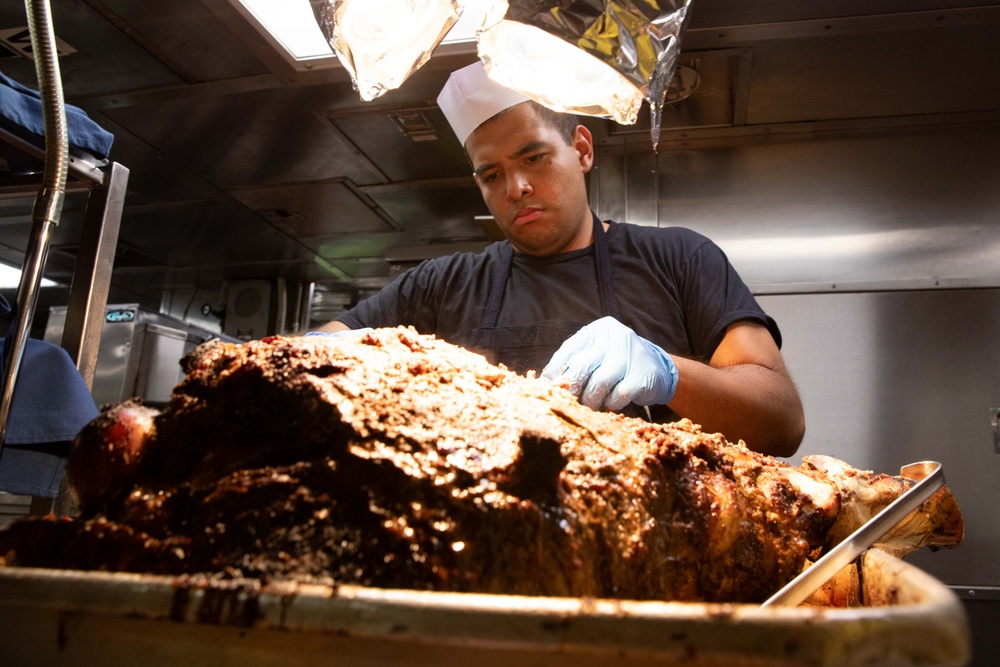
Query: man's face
x=533, y=182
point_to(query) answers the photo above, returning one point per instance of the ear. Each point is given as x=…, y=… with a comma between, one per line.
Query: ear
x=583, y=144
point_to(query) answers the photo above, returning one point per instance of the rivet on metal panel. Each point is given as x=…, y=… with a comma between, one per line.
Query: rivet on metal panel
x=995, y=423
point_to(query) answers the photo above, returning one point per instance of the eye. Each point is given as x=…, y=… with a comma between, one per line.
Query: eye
x=534, y=159
x=488, y=177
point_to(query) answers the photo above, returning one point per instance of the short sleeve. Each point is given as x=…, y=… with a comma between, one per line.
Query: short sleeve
x=715, y=297
x=406, y=301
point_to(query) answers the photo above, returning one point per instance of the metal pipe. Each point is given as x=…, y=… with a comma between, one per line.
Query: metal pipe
x=49, y=202
x=305, y=306
x=281, y=306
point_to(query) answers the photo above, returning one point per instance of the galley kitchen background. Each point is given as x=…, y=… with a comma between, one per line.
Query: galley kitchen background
x=845, y=154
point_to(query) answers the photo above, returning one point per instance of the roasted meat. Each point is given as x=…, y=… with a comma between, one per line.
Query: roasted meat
x=397, y=460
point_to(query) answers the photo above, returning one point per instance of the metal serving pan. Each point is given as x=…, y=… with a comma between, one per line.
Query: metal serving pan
x=58, y=617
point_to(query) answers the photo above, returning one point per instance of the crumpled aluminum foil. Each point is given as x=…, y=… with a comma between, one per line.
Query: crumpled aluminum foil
x=396, y=40
x=640, y=39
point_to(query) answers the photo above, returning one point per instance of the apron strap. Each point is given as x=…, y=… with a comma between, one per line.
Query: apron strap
x=605, y=285
x=492, y=314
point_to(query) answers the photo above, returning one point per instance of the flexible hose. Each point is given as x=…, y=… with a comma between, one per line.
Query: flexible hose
x=49, y=202
x=48, y=205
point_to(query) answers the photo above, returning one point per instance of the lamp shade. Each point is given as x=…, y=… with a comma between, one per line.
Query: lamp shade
x=382, y=42
x=632, y=47
x=555, y=73
x=590, y=57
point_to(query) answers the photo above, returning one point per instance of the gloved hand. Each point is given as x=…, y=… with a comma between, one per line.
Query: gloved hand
x=608, y=366
x=340, y=334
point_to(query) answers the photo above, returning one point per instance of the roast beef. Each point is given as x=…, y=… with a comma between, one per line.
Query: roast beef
x=394, y=459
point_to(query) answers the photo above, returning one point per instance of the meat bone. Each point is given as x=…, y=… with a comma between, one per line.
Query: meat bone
x=930, y=478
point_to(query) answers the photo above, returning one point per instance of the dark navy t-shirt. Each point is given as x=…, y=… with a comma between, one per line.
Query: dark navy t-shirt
x=674, y=286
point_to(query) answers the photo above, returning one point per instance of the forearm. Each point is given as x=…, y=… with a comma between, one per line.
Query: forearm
x=748, y=402
x=333, y=327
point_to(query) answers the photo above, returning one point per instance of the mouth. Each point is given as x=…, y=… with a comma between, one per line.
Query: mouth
x=526, y=215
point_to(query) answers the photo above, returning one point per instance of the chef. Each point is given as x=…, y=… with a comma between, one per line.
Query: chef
x=652, y=321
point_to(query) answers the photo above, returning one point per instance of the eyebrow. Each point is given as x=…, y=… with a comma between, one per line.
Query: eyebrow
x=527, y=148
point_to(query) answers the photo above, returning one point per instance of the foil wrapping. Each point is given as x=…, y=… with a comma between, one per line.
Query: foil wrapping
x=382, y=42
x=556, y=73
x=638, y=39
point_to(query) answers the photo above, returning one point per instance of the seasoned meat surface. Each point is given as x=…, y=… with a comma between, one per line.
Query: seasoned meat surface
x=394, y=459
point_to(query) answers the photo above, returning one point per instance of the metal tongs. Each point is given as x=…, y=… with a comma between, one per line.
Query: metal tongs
x=930, y=478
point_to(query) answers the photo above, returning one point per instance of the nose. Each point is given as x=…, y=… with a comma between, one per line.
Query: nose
x=517, y=185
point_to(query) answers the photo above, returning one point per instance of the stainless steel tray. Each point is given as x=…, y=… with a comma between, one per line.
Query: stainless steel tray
x=53, y=617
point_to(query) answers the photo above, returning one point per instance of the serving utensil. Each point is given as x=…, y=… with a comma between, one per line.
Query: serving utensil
x=930, y=478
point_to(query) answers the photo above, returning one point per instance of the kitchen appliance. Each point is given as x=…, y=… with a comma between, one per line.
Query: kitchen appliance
x=140, y=352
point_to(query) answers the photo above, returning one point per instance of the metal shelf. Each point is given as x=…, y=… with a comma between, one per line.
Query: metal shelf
x=99, y=237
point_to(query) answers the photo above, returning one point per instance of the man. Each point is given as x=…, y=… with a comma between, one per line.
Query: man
x=624, y=315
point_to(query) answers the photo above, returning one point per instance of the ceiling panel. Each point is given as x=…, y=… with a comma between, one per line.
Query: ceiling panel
x=209, y=235
x=234, y=140
x=106, y=59
x=315, y=209
x=434, y=210
x=195, y=40
x=381, y=135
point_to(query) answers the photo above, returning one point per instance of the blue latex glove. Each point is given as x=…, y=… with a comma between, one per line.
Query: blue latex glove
x=339, y=334
x=608, y=366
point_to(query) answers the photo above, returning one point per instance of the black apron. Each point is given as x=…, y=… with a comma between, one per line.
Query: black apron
x=530, y=346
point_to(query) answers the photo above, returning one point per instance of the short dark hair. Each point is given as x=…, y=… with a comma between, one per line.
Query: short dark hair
x=565, y=123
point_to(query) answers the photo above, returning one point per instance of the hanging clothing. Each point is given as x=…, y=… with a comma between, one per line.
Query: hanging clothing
x=51, y=403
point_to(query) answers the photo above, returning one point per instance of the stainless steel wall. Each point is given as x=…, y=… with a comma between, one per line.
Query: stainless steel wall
x=861, y=212
x=889, y=378
x=880, y=258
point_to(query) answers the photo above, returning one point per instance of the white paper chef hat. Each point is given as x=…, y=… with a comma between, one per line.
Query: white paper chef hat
x=470, y=97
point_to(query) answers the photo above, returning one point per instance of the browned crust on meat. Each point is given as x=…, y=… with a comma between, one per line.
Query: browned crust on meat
x=395, y=459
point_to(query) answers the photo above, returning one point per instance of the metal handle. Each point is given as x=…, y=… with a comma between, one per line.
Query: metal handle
x=931, y=478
